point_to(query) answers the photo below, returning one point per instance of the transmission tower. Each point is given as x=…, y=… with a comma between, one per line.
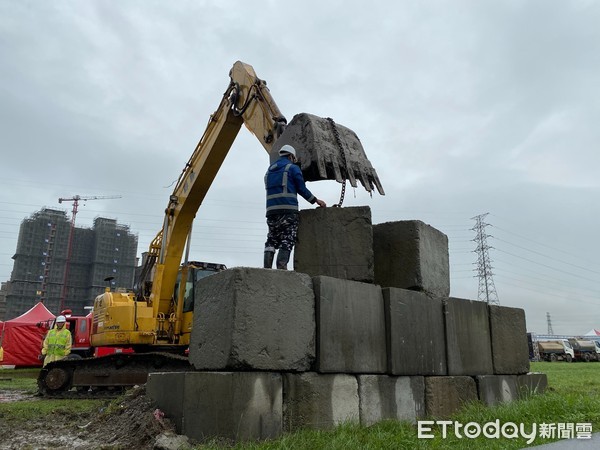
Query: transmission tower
x=549, y=320
x=75, y=199
x=487, y=290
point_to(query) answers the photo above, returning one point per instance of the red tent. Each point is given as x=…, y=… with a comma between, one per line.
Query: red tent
x=21, y=338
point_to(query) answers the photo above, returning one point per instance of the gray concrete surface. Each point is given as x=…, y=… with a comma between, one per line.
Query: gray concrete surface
x=239, y=406
x=469, y=349
x=336, y=242
x=167, y=390
x=496, y=389
x=259, y=319
x=384, y=397
x=510, y=352
x=446, y=395
x=416, y=341
x=532, y=383
x=350, y=326
x=319, y=401
x=410, y=254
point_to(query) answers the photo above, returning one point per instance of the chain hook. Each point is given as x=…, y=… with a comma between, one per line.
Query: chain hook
x=338, y=141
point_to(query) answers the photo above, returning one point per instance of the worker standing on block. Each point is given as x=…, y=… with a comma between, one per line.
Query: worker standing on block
x=283, y=182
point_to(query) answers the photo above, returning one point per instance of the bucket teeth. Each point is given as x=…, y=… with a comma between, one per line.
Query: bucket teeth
x=328, y=151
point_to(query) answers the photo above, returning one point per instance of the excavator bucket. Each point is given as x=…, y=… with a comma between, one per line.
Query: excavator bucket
x=328, y=151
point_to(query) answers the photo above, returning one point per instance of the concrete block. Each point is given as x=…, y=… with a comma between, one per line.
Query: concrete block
x=468, y=344
x=532, y=383
x=384, y=397
x=446, y=395
x=167, y=390
x=336, y=242
x=317, y=401
x=258, y=319
x=350, y=326
x=416, y=342
x=495, y=389
x=238, y=406
x=510, y=351
x=410, y=254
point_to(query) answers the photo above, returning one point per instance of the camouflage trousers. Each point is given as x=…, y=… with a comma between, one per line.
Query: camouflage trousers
x=283, y=230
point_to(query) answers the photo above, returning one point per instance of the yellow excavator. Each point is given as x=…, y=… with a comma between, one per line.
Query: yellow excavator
x=156, y=320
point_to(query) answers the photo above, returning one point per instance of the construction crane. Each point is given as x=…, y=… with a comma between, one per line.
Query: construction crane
x=75, y=199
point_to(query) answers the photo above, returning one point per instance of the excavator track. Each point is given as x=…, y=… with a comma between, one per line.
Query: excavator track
x=106, y=376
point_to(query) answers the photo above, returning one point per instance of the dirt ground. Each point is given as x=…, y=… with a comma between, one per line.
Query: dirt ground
x=133, y=424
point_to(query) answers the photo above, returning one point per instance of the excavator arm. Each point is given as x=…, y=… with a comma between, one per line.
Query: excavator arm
x=154, y=319
x=246, y=101
x=326, y=150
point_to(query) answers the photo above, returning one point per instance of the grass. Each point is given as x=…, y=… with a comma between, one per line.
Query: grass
x=25, y=380
x=573, y=396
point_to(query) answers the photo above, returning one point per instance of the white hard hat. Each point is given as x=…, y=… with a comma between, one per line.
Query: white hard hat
x=287, y=150
x=61, y=319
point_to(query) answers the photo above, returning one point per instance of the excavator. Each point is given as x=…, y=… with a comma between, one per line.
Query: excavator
x=156, y=319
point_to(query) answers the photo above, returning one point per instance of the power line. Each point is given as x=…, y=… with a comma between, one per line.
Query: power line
x=547, y=266
x=546, y=256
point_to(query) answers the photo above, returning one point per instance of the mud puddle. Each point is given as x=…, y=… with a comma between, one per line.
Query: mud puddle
x=7, y=396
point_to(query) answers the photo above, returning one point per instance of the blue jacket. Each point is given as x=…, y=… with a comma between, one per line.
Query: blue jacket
x=283, y=181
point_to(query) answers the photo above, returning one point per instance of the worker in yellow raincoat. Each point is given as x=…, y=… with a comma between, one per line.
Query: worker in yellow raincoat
x=57, y=343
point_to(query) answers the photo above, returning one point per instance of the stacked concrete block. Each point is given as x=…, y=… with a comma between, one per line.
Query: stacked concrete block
x=531, y=384
x=468, y=344
x=168, y=391
x=446, y=395
x=336, y=242
x=495, y=389
x=411, y=255
x=510, y=352
x=238, y=406
x=383, y=397
x=416, y=343
x=329, y=346
x=256, y=319
x=318, y=401
x=350, y=326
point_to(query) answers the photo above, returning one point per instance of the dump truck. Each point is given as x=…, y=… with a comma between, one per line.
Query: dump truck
x=556, y=350
x=584, y=350
x=156, y=320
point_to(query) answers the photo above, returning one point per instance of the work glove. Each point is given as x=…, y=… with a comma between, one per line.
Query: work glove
x=41, y=357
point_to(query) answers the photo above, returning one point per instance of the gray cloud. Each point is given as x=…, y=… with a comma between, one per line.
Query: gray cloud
x=463, y=107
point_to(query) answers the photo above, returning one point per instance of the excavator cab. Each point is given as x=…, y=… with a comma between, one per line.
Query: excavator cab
x=195, y=271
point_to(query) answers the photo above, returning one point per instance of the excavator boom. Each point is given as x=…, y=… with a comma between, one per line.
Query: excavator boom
x=160, y=316
x=326, y=151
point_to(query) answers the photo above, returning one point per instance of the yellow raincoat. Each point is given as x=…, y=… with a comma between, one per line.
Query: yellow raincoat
x=57, y=345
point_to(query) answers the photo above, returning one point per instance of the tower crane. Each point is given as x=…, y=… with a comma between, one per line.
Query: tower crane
x=75, y=199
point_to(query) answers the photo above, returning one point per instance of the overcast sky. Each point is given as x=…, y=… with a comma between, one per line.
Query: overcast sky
x=463, y=108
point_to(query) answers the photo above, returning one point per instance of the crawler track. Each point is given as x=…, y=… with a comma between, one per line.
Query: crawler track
x=106, y=376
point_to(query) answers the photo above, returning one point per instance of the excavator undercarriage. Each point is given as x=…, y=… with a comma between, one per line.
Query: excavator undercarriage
x=106, y=375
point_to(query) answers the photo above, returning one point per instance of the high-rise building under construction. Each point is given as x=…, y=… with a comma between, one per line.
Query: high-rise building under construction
x=43, y=271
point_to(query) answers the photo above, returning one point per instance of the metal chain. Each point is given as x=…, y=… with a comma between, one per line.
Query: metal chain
x=338, y=141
